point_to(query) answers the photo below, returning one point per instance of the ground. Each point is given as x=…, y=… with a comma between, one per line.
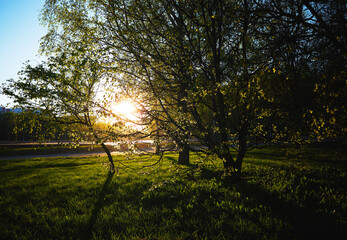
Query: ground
x=284, y=193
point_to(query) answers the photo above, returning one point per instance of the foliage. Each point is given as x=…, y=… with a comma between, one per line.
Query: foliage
x=26, y=126
x=188, y=62
x=229, y=73
x=62, y=93
x=7, y=124
x=308, y=68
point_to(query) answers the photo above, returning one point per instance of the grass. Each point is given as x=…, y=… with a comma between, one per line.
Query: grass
x=46, y=149
x=284, y=193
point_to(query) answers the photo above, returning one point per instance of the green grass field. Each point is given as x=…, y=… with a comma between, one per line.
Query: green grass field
x=284, y=193
x=43, y=150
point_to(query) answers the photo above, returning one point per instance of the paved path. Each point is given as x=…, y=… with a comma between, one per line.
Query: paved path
x=56, y=155
x=82, y=154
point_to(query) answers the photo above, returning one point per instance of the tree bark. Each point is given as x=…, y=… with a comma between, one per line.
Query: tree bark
x=241, y=154
x=157, y=149
x=242, y=149
x=157, y=144
x=183, y=156
x=110, y=159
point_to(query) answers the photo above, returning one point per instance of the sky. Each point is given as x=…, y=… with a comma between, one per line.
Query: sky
x=20, y=33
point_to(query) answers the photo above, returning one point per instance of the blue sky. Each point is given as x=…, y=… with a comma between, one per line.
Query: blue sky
x=20, y=33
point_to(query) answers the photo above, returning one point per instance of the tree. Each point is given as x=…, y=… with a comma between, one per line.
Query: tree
x=7, y=124
x=189, y=59
x=194, y=58
x=230, y=73
x=196, y=65
x=63, y=90
x=25, y=126
x=307, y=42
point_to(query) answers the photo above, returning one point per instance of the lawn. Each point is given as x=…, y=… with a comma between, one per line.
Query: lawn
x=284, y=193
x=21, y=150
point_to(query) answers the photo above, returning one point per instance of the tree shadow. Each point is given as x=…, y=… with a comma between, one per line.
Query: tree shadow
x=87, y=234
x=325, y=155
x=306, y=221
x=175, y=161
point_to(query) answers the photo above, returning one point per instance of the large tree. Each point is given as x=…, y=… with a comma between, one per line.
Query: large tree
x=193, y=62
x=196, y=65
x=230, y=73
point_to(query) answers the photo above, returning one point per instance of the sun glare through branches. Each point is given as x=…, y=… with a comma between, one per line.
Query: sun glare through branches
x=125, y=110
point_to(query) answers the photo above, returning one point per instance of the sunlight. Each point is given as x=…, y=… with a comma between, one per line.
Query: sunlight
x=126, y=110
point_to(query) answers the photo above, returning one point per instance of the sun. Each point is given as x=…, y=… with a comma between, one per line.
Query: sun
x=126, y=110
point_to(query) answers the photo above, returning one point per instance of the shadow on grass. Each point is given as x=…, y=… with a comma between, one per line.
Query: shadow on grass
x=172, y=159
x=175, y=161
x=306, y=221
x=312, y=155
x=98, y=206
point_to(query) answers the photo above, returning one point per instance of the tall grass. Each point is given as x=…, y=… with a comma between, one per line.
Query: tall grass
x=283, y=194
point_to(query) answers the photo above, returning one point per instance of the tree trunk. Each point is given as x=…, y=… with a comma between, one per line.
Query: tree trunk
x=241, y=154
x=228, y=163
x=183, y=156
x=157, y=144
x=242, y=149
x=157, y=149
x=112, y=168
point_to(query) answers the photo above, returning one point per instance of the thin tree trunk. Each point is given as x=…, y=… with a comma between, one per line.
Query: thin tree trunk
x=242, y=134
x=157, y=144
x=240, y=156
x=157, y=149
x=110, y=159
x=242, y=149
x=107, y=151
x=183, y=156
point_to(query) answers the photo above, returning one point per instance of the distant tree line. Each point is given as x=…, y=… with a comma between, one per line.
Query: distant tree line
x=18, y=127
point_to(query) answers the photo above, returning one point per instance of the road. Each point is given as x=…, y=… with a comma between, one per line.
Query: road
x=75, y=154
x=57, y=155
x=145, y=149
